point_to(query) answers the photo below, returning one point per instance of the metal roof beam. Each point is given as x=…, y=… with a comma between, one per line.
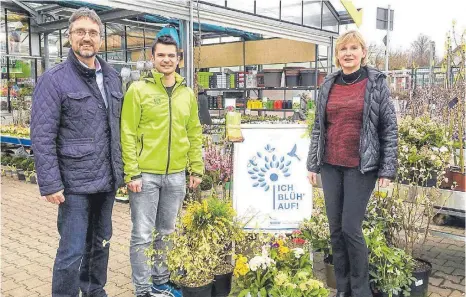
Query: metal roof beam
x=222, y=16
x=26, y=8
x=48, y=8
x=107, y=16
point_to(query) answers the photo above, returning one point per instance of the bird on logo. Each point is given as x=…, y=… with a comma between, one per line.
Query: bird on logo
x=293, y=153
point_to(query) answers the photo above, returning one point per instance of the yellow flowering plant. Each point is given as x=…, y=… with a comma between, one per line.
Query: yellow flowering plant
x=300, y=284
x=255, y=276
x=288, y=257
x=215, y=220
x=192, y=258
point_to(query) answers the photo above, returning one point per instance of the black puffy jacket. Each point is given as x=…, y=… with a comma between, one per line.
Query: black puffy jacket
x=378, y=147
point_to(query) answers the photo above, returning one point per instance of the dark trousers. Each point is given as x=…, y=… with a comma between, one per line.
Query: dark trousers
x=347, y=192
x=85, y=228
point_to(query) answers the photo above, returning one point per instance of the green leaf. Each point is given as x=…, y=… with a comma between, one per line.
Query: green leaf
x=243, y=293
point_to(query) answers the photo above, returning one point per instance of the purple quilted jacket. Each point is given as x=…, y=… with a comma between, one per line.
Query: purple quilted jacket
x=75, y=138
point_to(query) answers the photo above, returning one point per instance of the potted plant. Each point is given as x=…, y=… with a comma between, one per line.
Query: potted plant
x=403, y=218
x=413, y=208
x=5, y=164
x=194, y=258
x=206, y=186
x=316, y=231
x=254, y=276
x=301, y=284
x=423, y=151
x=16, y=163
x=215, y=219
x=122, y=195
x=390, y=267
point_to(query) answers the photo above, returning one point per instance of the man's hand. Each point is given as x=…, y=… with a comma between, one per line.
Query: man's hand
x=56, y=198
x=135, y=185
x=384, y=182
x=312, y=177
x=194, y=181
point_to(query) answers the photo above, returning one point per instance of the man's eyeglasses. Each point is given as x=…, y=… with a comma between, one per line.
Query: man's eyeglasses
x=82, y=33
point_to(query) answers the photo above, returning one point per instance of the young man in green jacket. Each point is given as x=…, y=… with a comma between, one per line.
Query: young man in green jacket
x=160, y=136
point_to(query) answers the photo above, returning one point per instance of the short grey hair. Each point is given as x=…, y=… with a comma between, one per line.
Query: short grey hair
x=85, y=12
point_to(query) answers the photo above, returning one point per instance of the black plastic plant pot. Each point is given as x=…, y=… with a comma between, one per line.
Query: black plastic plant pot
x=330, y=272
x=203, y=291
x=21, y=175
x=222, y=285
x=33, y=179
x=422, y=272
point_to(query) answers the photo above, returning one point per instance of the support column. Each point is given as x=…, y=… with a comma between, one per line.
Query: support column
x=187, y=46
x=46, y=55
x=330, y=51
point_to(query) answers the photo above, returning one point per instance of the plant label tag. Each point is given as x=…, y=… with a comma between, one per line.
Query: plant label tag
x=419, y=282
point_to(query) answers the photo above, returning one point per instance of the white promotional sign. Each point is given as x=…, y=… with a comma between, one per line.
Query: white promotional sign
x=270, y=187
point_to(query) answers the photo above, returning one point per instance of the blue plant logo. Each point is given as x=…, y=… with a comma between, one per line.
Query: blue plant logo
x=267, y=168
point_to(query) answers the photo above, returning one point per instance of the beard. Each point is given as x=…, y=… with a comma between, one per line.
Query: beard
x=86, y=53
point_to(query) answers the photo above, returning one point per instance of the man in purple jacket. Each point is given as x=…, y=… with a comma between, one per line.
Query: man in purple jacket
x=75, y=132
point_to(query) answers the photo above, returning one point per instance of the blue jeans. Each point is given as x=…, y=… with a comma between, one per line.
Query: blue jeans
x=85, y=227
x=155, y=208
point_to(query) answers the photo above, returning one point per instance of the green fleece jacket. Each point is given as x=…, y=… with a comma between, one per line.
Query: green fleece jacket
x=160, y=134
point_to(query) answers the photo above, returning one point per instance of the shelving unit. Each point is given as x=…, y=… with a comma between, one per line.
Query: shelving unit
x=263, y=89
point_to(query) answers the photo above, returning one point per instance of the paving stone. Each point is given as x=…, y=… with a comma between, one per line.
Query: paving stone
x=455, y=264
x=457, y=294
x=447, y=269
x=440, y=291
x=453, y=278
x=35, y=282
x=20, y=291
x=435, y=281
x=44, y=290
x=8, y=285
x=459, y=272
x=450, y=285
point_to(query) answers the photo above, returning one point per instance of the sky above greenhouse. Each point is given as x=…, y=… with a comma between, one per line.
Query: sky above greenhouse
x=413, y=17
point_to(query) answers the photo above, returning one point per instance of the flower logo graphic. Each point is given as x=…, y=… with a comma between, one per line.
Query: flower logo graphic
x=267, y=168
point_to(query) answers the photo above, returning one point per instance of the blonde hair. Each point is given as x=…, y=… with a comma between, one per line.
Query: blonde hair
x=349, y=36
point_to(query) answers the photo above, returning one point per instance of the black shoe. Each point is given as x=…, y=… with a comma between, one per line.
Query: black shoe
x=343, y=294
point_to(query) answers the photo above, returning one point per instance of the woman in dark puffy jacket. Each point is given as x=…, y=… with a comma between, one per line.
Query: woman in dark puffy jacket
x=353, y=143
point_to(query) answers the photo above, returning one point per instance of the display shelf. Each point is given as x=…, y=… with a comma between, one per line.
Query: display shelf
x=15, y=140
x=262, y=88
x=263, y=109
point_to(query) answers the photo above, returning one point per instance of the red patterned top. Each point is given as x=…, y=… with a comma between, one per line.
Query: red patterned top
x=344, y=121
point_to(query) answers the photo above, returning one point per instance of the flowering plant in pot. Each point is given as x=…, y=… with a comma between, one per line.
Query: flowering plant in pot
x=390, y=268
x=254, y=276
x=423, y=151
x=300, y=284
x=315, y=230
x=403, y=218
x=289, y=255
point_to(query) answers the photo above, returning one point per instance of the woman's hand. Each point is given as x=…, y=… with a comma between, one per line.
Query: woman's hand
x=312, y=177
x=384, y=182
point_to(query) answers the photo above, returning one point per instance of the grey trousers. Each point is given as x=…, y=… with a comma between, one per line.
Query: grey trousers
x=154, y=209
